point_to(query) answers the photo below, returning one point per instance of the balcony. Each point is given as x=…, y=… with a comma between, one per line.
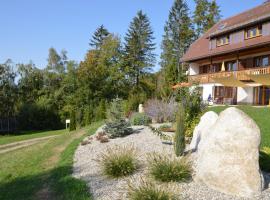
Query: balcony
x=242, y=75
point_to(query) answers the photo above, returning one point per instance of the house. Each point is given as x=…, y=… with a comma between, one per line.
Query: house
x=231, y=61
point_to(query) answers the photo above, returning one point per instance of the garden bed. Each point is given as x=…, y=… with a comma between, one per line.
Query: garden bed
x=86, y=167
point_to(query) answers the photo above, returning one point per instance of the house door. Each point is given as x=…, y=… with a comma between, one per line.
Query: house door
x=262, y=95
x=225, y=95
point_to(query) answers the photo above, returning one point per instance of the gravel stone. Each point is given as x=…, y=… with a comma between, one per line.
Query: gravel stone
x=145, y=142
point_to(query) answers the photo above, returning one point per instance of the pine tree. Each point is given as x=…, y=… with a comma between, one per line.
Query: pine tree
x=179, y=138
x=139, y=46
x=200, y=17
x=98, y=37
x=177, y=38
x=205, y=16
x=214, y=15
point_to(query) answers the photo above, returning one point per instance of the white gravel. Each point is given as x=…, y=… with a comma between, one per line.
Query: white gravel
x=87, y=168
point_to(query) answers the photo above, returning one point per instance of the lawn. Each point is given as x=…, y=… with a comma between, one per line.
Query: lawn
x=261, y=115
x=43, y=170
x=28, y=135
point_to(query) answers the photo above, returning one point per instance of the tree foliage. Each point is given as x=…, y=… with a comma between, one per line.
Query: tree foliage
x=138, y=52
x=98, y=37
x=178, y=35
x=206, y=14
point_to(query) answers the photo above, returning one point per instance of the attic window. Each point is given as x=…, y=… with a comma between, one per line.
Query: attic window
x=253, y=32
x=224, y=40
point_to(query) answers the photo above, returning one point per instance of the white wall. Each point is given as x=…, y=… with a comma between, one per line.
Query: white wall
x=193, y=69
x=245, y=95
x=207, y=89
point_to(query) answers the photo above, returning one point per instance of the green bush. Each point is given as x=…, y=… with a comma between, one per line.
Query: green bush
x=118, y=128
x=139, y=119
x=149, y=191
x=118, y=162
x=190, y=126
x=72, y=125
x=264, y=159
x=179, y=137
x=165, y=169
x=116, y=125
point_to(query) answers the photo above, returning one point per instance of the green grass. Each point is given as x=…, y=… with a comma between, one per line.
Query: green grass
x=6, y=139
x=261, y=115
x=48, y=164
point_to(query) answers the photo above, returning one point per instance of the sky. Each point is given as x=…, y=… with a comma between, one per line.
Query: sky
x=30, y=27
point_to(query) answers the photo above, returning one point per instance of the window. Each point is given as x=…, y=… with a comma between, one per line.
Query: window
x=231, y=66
x=253, y=32
x=223, y=40
x=204, y=69
x=265, y=61
x=262, y=61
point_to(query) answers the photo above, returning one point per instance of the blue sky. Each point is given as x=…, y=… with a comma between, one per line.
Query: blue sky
x=30, y=27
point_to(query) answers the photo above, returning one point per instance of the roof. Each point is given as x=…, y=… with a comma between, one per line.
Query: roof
x=200, y=48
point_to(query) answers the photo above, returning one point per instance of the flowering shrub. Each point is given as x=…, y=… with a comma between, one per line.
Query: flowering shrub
x=139, y=119
x=161, y=110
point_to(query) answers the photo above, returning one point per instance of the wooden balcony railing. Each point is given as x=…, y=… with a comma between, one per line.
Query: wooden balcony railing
x=240, y=75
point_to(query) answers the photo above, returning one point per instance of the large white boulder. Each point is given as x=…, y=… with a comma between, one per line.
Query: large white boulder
x=201, y=130
x=228, y=159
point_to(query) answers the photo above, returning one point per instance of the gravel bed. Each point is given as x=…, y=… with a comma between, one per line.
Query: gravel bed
x=145, y=142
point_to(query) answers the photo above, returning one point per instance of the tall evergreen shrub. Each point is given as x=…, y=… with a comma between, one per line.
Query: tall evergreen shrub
x=179, y=138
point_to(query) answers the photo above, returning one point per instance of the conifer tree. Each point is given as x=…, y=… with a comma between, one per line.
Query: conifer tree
x=200, y=17
x=179, y=137
x=205, y=16
x=139, y=46
x=177, y=38
x=214, y=14
x=98, y=37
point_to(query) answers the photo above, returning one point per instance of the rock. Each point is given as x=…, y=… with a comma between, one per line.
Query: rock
x=201, y=130
x=228, y=159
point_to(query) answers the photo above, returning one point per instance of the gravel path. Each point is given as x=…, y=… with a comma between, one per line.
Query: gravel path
x=145, y=142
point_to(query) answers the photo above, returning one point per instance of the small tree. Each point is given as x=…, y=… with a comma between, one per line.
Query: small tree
x=117, y=126
x=179, y=138
x=72, y=125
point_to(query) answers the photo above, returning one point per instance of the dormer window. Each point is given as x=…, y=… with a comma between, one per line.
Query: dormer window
x=224, y=40
x=253, y=32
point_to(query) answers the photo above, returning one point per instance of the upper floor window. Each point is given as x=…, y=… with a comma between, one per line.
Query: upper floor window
x=231, y=66
x=223, y=40
x=254, y=32
x=262, y=61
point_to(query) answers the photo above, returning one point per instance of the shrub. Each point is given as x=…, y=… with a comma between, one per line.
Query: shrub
x=165, y=169
x=190, y=126
x=264, y=159
x=116, y=125
x=118, y=162
x=161, y=110
x=139, y=119
x=166, y=128
x=193, y=105
x=119, y=128
x=72, y=125
x=179, y=137
x=149, y=191
x=102, y=137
